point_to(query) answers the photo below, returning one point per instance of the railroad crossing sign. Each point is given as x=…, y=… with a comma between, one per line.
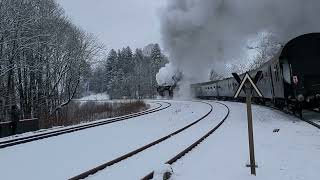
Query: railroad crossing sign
x=247, y=84
x=247, y=79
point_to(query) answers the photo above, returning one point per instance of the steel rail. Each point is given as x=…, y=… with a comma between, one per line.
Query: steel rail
x=134, y=152
x=21, y=138
x=35, y=137
x=192, y=146
x=292, y=114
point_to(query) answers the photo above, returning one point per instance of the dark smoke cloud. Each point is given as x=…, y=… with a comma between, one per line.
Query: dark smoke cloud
x=201, y=35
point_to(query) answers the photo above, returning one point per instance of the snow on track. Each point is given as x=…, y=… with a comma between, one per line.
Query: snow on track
x=152, y=107
x=312, y=117
x=67, y=155
x=293, y=153
x=141, y=164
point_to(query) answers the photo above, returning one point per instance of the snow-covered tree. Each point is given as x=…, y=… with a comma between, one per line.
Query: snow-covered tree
x=214, y=76
x=266, y=47
x=131, y=75
x=43, y=57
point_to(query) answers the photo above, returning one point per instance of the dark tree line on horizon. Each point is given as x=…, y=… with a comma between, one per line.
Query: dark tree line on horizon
x=125, y=74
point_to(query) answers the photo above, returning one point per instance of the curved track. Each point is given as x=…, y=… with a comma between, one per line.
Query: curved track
x=295, y=115
x=317, y=125
x=192, y=146
x=139, y=150
x=36, y=137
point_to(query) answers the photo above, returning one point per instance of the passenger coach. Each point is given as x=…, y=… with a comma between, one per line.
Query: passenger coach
x=290, y=80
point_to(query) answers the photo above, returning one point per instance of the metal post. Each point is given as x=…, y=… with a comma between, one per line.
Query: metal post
x=250, y=128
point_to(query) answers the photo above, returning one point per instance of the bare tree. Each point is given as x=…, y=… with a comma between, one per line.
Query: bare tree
x=214, y=76
x=267, y=47
x=43, y=57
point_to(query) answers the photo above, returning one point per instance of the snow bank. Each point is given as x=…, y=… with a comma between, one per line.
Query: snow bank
x=70, y=154
x=101, y=96
x=161, y=170
x=292, y=153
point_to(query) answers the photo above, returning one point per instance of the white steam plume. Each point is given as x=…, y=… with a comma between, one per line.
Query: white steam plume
x=201, y=35
x=165, y=74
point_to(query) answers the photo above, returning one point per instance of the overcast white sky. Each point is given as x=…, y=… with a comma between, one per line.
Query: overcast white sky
x=118, y=23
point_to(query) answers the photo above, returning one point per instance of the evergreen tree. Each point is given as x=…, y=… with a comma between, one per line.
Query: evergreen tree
x=130, y=75
x=158, y=60
x=140, y=73
x=110, y=67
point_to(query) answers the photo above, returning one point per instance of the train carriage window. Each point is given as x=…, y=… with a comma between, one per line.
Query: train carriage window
x=286, y=71
x=279, y=72
x=276, y=69
x=276, y=74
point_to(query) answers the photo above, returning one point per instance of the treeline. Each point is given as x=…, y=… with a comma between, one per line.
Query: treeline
x=125, y=74
x=43, y=58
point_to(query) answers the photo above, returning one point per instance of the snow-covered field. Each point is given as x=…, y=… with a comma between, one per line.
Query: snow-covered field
x=293, y=153
x=101, y=96
x=67, y=155
x=152, y=105
x=138, y=166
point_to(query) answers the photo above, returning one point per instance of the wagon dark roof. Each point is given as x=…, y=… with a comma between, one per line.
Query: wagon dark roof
x=307, y=43
x=302, y=49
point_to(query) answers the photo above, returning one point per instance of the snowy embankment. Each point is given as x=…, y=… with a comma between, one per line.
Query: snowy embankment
x=67, y=155
x=150, y=104
x=293, y=153
x=145, y=162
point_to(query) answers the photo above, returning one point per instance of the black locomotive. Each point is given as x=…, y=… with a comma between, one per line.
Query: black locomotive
x=289, y=80
x=166, y=91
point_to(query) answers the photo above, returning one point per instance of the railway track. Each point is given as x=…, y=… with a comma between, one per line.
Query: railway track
x=296, y=115
x=22, y=140
x=313, y=123
x=139, y=150
x=192, y=146
x=317, y=125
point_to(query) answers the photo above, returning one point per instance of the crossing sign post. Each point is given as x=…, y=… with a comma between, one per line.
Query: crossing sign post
x=248, y=85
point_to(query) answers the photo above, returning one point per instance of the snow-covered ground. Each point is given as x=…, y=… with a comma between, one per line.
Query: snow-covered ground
x=101, y=96
x=139, y=165
x=293, y=153
x=152, y=105
x=67, y=155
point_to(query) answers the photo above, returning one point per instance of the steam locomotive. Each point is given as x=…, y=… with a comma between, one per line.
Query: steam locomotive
x=290, y=80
